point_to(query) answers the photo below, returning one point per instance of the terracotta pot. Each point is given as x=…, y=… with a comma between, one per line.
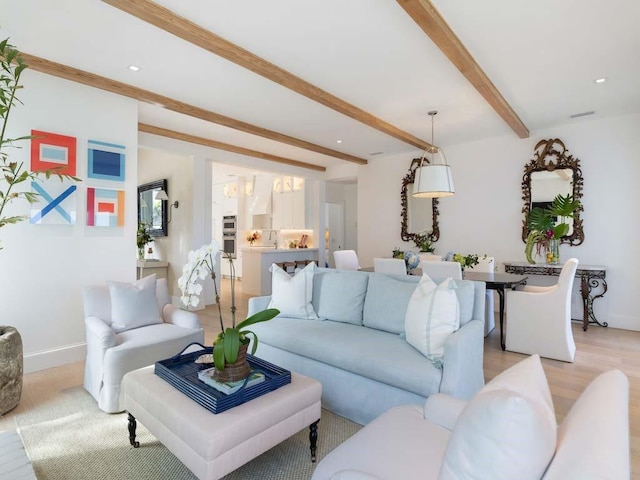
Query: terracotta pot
x=11, y=368
x=239, y=370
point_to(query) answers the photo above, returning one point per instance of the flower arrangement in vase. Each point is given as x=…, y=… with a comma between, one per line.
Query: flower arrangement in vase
x=547, y=226
x=143, y=237
x=252, y=237
x=469, y=260
x=231, y=344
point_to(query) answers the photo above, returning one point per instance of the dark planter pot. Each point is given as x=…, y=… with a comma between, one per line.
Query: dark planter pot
x=11, y=368
x=234, y=371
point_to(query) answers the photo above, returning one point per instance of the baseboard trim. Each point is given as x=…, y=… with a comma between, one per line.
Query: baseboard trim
x=623, y=322
x=55, y=357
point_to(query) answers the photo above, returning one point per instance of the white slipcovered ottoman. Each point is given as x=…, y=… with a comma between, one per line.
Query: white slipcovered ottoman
x=212, y=445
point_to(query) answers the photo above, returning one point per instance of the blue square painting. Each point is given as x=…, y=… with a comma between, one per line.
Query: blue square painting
x=106, y=161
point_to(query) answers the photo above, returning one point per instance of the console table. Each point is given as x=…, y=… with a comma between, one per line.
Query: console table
x=149, y=267
x=592, y=280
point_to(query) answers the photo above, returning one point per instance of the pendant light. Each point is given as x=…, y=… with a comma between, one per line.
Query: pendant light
x=433, y=178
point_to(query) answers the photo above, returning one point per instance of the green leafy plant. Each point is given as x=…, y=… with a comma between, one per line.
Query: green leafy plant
x=143, y=235
x=227, y=343
x=549, y=223
x=12, y=174
x=423, y=242
x=466, y=260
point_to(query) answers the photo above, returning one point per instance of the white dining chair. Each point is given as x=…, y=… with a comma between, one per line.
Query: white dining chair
x=346, y=260
x=442, y=269
x=390, y=265
x=487, y=264
x=429, y=257
x=539, y=318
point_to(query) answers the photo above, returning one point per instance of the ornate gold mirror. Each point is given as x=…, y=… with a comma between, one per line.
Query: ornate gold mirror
x=419, y=215
x=552, y=172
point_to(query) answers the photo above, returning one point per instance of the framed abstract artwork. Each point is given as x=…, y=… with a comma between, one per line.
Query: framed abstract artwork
x=53, y=151
x=56, y=203
x=106, y=161
x=105, y=207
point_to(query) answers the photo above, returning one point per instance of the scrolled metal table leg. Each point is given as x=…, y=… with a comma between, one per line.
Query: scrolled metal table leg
x=132, y=431
x=313, y=439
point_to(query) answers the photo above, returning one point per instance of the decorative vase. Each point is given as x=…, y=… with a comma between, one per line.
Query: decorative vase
x=239, y=370
x=140, y=253
x=11, y=368
x=553, y=251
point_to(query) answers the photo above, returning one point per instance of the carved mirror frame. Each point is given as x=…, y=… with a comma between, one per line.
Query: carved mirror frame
x=408, y=179
x=552, y=155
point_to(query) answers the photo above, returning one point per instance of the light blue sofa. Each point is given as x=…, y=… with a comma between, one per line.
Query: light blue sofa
x=357, y=349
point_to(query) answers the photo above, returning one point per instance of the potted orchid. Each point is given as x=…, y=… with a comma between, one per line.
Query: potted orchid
x=230, y=346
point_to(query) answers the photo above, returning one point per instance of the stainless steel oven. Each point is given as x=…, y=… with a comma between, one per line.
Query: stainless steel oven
x=229, y=224
x=230, y=243
x=230, y=235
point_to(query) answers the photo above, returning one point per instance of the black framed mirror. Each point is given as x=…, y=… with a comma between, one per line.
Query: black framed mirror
x=551, y=172
x=151, y=210
x=418, y=214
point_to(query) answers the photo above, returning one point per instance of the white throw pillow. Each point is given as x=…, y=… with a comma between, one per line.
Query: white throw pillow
x=506, y=430
x=134, y=305
x=433, y=313
x=292, y=294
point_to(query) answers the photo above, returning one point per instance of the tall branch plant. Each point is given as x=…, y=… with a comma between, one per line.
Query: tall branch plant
x=12, y=174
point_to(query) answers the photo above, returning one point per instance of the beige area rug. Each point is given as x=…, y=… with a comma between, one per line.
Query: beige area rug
x=71, y=439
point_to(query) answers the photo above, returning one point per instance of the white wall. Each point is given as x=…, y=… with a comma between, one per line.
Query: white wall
x=44, y=267
x=485, y=215
x=155, y=164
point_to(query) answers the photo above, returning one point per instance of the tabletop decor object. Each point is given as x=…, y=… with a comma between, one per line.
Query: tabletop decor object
x=469, y=260
x=411, y=259
x=252, y=237
x=230, y=346
x=547, y=226
x=143, y=238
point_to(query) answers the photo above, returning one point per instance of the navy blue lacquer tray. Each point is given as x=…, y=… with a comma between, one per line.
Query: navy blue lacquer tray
x=181, y=371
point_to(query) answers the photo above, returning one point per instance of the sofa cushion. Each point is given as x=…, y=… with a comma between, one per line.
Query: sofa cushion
x=360, y=350
x=506, y=430
x=386, y=303
x=134, y=305
x=339, y=295
x=292, y=294
x=432, y=315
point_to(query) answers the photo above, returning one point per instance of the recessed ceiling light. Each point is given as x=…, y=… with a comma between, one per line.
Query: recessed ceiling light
x=339, y=141
x=600, y=80
x=134, y=68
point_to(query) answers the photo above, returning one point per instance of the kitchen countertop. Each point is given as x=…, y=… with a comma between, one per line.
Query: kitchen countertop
x=276, y=250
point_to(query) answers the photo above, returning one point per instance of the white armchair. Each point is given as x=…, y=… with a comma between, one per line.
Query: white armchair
x=507, y=430
x=113, y=349
x=539, y=318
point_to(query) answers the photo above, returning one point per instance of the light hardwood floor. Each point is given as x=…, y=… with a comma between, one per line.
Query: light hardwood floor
x=598, y=350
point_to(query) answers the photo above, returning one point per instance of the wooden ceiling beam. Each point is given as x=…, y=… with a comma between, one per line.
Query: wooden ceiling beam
x=165, y=19
x=431, y=22
x=75, y=75
x=164, y=132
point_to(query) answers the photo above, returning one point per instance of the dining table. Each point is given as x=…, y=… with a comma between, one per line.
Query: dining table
x=499, y=282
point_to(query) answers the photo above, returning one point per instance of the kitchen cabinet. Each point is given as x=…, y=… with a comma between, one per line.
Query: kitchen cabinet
x=230, y=198
x=288, y=203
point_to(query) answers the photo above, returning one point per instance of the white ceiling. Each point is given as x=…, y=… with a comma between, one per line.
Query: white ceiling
x=543, y=57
